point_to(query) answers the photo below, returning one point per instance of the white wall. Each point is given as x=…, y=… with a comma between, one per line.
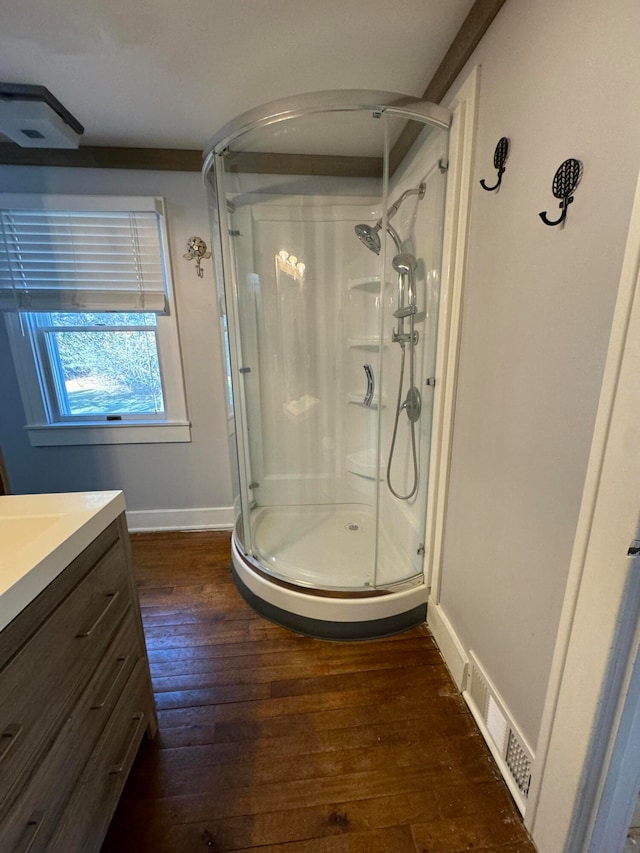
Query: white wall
x=190, y=478
x=560, y=78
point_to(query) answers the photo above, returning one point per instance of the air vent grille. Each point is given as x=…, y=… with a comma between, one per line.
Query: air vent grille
x=519, y=764
x=479, y=690
x=496, y=724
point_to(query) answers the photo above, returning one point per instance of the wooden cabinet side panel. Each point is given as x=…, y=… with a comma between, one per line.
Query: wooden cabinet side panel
x=152, y=726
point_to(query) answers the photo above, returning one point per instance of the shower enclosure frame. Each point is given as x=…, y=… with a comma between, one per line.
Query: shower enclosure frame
x=351, y=615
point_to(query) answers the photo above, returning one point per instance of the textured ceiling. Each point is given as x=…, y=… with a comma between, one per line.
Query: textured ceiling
x=164, y=73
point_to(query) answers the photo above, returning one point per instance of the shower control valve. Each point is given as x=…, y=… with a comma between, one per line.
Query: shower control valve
x=412, y=404
x=405, y=338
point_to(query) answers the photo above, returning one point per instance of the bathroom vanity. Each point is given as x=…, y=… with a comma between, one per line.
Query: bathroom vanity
x=75, y=690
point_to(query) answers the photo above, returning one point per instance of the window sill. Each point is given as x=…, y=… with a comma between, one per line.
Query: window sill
x=53, y=435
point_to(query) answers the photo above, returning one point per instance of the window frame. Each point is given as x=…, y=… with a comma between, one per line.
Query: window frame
x=52, y=373
x=34, y=374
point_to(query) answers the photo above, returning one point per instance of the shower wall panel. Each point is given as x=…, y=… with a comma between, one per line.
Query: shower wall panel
x=302, y=389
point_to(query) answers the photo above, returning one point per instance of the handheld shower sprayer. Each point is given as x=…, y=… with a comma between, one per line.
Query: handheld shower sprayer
x=405, y=265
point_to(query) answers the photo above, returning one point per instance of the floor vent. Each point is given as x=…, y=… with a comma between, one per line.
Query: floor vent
x=510, y=750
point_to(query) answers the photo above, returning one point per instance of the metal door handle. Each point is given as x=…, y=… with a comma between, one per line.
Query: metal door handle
x=117, y=670
x=8, y=738
x=138, y=721
x=32, y=828
x=368, y=397
x=87, y=632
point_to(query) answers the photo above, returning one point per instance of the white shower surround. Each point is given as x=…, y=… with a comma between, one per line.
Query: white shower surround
x=301, y=342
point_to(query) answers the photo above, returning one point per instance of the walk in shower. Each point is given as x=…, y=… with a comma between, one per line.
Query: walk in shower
x=328, y=214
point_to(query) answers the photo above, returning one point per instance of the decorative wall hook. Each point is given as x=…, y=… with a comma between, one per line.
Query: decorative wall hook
x=197, y=251
x=565, y=181
x=500, y=157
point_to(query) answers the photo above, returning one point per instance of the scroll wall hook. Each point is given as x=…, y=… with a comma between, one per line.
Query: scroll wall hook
x=565, y=181
x=197, y=251
x=500, y=156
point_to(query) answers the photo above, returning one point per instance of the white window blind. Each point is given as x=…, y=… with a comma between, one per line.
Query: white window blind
x=66, y=259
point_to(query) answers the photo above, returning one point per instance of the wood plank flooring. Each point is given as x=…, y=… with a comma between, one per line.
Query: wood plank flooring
x=270, y=741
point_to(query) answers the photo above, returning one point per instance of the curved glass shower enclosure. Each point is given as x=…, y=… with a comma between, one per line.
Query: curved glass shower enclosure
x=328, y=212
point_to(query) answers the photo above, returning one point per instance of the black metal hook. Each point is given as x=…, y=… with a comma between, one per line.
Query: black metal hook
x=564, y=204
x=565, y=181
x=500, y=156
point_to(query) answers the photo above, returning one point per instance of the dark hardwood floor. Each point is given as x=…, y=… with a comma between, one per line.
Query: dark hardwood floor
x=274, y=742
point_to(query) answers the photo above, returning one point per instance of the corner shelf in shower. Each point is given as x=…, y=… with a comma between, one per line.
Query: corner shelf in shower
x=363, y=463
x=357, y=399
x=369, y=342
x=368, y=282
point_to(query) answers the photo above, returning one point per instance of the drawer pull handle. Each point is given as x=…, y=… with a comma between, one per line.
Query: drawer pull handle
x=31, y=831
x=119, y=668
x=112, y=596
x=138, y=719
x=8, y=738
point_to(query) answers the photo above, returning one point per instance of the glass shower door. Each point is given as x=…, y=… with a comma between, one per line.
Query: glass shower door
x=413, y=260
x=307, y=319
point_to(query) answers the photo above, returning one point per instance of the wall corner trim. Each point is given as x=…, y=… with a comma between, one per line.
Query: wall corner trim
x=449, y=644
x=194, y=518
x=454, y=254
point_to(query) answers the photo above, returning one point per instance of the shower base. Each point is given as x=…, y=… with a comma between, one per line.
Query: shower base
x=330, y=547
x=312, y=572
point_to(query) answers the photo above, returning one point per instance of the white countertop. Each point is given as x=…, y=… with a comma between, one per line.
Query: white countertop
x=41, y=534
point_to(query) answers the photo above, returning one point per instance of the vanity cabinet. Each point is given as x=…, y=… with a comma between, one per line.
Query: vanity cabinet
x=75, y=702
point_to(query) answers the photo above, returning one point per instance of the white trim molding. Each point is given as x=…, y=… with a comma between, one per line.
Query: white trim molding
x=583, y=696
x=202, y=518
x=454, y=251
x=617, y=801
x=449, y=644
x=149, y=432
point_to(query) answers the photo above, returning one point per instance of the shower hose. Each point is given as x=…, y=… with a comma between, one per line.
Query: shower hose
x=399, y=407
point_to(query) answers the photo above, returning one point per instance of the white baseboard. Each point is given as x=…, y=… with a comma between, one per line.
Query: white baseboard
x=197, y=518
x=450, y=646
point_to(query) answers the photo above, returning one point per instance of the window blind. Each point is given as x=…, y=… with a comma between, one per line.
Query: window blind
x=82, y=260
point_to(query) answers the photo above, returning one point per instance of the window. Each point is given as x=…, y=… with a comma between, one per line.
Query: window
x=86, y=287
x=99, y=365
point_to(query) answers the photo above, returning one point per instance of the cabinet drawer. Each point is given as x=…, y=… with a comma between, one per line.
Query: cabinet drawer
x=43, y=680
x=88, y=813
x=34, y=815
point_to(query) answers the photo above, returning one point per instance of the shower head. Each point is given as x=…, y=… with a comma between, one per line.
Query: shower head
x=369, y=236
